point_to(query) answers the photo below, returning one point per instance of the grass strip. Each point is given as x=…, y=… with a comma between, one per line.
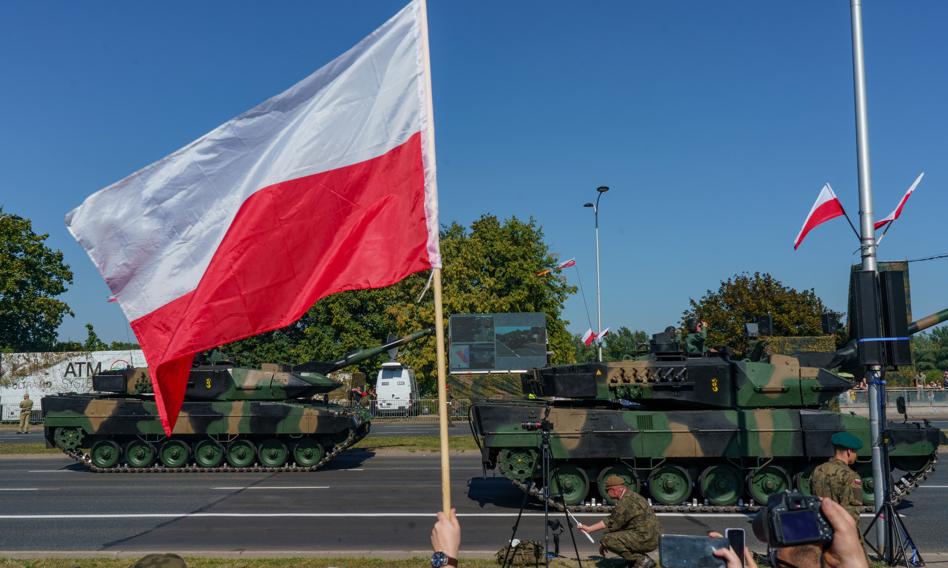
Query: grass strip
x=415, y=443
x=27, y=448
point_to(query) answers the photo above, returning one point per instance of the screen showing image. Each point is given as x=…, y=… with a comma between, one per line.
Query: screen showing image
x=497, y=342
x=800, y=526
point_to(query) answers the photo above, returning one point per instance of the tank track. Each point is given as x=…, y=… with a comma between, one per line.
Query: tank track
x=86, y=461
x=900, y=489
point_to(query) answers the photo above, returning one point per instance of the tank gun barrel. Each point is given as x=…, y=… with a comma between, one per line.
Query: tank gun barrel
x=928, y=321
x=358, y=356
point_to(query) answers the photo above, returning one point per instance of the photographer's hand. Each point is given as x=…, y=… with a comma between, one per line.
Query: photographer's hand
x=730, y=558
x=446, y=534
x=845, y=551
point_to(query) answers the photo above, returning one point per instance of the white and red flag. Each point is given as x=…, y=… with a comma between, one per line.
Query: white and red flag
x=603, y=333
x=566, y=264
x=898, y=208
x=326, y=187
x=826, y=207
x=589, y=337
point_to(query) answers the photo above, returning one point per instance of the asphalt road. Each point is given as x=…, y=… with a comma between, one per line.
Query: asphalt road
x=363, y=503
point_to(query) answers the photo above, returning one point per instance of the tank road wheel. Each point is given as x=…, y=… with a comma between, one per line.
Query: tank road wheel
x=173, y=453
x=765, y=481
x=139, y=454
x=307, y=452
x=721, y=484
x=669, y=485
x=105, y=454
x=272, y=453
x=208, y=453
x=240, y=453
x=631, y=481
x=517, y=463
x=801, y=481
x=570, y=483
x=68, y=438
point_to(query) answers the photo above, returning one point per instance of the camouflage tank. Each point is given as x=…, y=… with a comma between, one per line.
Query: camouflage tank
x=232, y=419
x=693, y=430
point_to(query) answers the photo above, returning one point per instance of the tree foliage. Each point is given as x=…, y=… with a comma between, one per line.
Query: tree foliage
x=489, y=267
x=930, y=350
x=743, y=297
x=619, y=344
x=31, y=276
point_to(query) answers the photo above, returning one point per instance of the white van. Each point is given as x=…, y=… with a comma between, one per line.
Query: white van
x=396, y=391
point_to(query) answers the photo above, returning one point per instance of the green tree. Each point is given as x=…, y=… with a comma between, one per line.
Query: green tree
x=490, y=267
x=743, y=297
x=622, y=343
x=92, y=342
x=31, y=276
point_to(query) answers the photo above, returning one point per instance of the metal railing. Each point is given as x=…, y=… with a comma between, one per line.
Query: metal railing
x=913, y=397
x=425, y=409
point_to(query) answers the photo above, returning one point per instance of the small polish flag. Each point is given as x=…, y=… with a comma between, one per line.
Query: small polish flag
x=898, y=209
x=589, y=337
x=826, y=207
x=604, y=333
x=567, y=264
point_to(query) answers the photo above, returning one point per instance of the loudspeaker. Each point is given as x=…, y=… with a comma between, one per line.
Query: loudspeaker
x=895, y=318
x=866, y=322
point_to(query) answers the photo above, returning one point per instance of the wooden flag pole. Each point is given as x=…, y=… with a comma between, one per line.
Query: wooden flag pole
x=442, y=395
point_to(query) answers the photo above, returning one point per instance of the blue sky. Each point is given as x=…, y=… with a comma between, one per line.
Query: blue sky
x=714, y=123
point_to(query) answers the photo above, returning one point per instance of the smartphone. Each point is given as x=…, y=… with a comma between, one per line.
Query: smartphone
x=686, y=551
x=735, y=537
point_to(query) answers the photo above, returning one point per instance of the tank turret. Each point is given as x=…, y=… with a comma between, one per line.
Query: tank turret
x=223, y=380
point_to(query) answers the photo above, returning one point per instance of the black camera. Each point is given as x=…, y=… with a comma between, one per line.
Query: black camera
x=792, y=518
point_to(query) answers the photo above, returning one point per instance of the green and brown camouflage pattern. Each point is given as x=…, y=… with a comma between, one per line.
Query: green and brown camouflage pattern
x=273, y=417
x=683, y=428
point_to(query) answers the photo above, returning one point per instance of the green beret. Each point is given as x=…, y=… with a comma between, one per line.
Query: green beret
x=846, y=440
x=614, y=481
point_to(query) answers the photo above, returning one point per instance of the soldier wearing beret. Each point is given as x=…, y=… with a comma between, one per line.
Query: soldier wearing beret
x=835, y=479
x=632, y=530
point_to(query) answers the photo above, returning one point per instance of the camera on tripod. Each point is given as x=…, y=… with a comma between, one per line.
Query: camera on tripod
x=541, y=425
x=791, y=519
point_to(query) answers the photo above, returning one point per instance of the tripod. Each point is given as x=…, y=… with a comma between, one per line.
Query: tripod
x=545, y=427
x=897, y=546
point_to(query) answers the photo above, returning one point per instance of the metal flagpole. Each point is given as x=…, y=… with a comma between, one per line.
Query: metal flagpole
x=868, y=246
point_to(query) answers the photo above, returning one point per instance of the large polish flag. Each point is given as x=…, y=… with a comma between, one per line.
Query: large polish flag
x=826, y=207
x=898, y=208
x=328, y=186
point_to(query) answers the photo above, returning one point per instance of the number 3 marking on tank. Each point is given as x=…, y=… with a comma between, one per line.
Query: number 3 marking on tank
x=207, y=383
x=714, y=384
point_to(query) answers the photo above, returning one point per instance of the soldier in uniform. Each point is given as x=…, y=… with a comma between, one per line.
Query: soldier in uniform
x=26, y=410
x=835, y=479
x=632, y=530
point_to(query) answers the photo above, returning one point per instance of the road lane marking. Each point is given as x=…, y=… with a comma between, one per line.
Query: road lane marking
x=233, y=488
x=47, y=470
x=19, y=489
x=933, y=486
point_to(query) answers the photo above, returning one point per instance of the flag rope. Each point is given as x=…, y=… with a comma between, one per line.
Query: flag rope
x=583, y=293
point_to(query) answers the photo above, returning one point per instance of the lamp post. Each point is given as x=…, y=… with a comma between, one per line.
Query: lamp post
x=595, y=207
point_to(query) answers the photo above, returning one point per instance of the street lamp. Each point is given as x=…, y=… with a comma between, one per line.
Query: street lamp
x=595, y=207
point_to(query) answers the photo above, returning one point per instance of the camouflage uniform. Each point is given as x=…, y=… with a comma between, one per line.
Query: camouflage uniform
x=26, y=410
x=837, y=481
x=632, y=529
